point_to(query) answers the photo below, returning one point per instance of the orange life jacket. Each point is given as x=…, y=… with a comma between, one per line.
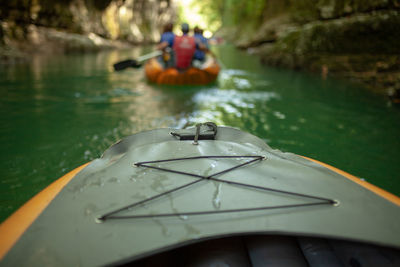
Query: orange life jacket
x=184, y=47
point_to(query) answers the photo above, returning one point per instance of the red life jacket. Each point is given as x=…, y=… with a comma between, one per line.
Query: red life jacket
x=184, y=47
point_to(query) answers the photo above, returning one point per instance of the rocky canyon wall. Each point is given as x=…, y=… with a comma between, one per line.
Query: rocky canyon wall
x=355, y=39
x=80, y=25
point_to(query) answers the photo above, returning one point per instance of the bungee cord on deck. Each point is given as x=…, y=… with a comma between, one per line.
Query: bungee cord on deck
x=112, y=214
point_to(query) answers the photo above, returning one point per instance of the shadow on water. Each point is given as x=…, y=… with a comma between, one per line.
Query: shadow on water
x=60, y=112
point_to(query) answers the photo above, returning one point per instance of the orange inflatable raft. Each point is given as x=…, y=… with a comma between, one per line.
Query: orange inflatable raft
x=206, y=74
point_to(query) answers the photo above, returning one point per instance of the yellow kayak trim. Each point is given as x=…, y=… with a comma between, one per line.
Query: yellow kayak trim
x=379, y=191
x=13, y=228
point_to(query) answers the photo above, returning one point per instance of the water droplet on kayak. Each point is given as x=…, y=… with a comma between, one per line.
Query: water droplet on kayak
x=183, y=217
x=217, y=196
x=89, y=209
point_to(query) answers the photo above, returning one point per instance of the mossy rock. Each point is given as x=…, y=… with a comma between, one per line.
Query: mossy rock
x=374, y=33
x=304, y=11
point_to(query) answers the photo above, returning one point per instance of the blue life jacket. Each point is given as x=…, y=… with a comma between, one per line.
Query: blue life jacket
x=168, y=37
x=198, y=54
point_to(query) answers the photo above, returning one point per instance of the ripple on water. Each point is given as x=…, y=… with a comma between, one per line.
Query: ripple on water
x=232, y=72
x=279, y=115
x=217, y=97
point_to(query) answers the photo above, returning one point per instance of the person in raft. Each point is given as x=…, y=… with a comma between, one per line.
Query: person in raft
x=201, y=47
x=166, y=43
x=184, y=48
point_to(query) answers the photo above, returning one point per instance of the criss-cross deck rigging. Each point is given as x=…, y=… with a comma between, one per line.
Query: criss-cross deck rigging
x=253, y=159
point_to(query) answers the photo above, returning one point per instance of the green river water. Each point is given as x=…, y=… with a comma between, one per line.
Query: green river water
x=60, y=112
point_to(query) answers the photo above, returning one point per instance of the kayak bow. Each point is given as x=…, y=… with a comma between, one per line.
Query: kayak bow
x=166, y=192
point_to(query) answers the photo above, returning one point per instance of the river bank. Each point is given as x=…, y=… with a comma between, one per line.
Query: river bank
x=354, y=40
x=44, y=40
x=53, y=27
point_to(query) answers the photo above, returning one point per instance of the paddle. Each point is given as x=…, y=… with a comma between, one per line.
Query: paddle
x=135, y=63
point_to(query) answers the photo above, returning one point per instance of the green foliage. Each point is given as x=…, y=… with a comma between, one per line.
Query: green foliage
x=228, y=12
x=212, y=11
x=244, y=12
x=209, y=11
